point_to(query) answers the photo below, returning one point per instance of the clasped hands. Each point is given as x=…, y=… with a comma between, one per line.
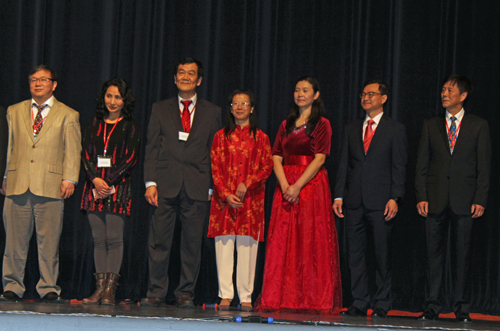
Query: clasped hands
x=290, y=193
x=236, y=200
x=103, y=189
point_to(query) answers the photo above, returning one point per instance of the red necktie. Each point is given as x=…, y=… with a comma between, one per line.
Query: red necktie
x=38, y=123
x=368, y=135
x=186, y=117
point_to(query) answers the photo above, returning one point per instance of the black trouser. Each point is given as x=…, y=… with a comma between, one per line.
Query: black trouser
x=436, y=233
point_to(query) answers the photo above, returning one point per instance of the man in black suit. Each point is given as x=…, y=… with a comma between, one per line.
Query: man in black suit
x=4, y=130
x=451, y=185
x=179, y=181
x=369, y=185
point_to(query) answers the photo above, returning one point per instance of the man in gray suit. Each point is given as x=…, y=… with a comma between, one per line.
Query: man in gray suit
x=179, y=181
x=43, y=164
x=4, y=129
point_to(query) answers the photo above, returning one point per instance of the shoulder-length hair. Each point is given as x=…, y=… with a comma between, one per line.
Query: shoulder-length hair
x=126, y=94
x=231, y=123
x=317, y=109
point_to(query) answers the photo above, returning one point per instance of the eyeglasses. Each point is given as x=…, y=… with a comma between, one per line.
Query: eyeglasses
x=42, y=80
x=369, y=94
x=237, y=104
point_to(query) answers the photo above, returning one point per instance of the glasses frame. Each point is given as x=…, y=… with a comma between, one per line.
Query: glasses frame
x=41, y=79
x=369, y=94
x=236, y=104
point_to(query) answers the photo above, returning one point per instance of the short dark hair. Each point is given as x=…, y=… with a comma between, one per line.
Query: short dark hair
x=231, y=123
x=383, y=88
x=189, y=60
x=126, y=94
x=53, y=75
x=463, y=83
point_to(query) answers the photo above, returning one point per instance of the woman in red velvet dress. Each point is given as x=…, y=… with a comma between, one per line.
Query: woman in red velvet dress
x=302, y=262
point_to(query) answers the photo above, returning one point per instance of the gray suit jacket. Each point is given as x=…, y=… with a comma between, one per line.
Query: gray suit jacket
x=40, y=165
x=169, y=161
x=4, y=130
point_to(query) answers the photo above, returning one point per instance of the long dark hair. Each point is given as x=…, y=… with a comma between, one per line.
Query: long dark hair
x=127, y=96
x=317, y=109
x=231, y=123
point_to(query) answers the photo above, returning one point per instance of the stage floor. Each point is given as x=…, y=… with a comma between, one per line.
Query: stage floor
x=124, y=316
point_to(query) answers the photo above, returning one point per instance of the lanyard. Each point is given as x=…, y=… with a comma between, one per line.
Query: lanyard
x=33, y=117
x=106, y=139
x=454, y=137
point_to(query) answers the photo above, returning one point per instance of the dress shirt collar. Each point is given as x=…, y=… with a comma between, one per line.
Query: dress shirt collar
x=376, y=119
x=49, y=102
x=191, y=105
x=458, y=116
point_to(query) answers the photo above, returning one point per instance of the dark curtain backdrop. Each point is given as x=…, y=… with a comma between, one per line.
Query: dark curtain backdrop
x=264, y=46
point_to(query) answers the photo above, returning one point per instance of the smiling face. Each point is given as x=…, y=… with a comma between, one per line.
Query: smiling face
x=372, y=105
x=42, y=91
x=304, y=95
x=241, y=109
x=451, y=98
x=114, y=101
x=187, y=79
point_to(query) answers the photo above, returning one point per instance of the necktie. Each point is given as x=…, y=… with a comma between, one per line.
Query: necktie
x=368, y=135
x=453, y=131
x=186, y=117
x=38, y=123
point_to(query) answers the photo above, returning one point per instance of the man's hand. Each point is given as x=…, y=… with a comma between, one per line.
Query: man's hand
x=477, y=211
x=152, y=195
x=423, y=208
x=234, y=201
x=391, y=209
x=337, y=208
x=241, y=190
x=101, y=186
x=3, y=190
x=67, y=189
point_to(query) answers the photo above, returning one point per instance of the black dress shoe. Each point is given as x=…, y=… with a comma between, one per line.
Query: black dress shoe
x=152, y=302
x=353, y=312
x=379, y=313
x=184, y=302
x=9, y=296
x=428, y=315
x=53, y=297
x=463, y=318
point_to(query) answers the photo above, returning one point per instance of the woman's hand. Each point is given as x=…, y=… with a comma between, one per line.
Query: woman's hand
x=241, y=190
x=292, y=193
x=234, y=201
x=101, y=186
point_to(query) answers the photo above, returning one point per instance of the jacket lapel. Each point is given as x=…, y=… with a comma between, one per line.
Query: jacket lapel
x=49, y=120
x=463, y=132
x=198, y=117
x=28, y=119
x=175, y=114
x=442, y=127
x=359, y=136
x=378, y=131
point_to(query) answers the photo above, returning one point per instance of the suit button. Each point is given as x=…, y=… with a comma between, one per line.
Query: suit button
x=33, y=146
x=32, y=161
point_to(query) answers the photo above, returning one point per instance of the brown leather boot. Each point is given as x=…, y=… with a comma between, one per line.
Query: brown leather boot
x=108, y=297
x=95, y=298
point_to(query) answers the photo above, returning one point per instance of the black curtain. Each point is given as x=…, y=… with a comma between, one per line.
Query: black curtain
x=263, y=46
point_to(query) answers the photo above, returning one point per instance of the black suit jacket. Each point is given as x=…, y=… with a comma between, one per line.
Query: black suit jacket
x=169, y=161
x=378, y=176
x=4, y=136
x=459, y=179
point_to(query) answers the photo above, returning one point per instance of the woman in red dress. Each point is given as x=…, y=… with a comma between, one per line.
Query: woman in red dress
x=302, y=262
x=241, y=163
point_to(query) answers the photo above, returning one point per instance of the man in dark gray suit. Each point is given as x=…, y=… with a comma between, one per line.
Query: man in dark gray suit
x=370, y=183
x=451, y=185
x=179, y=181
x=4, y=130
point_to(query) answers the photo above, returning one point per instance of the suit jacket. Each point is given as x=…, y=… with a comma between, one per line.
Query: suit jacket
x=459, y=179
x=169, y=161
x=4, y=130
x=378, y=176
x=40, y=165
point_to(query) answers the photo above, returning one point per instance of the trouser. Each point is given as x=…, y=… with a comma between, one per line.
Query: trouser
x=107, y=231
x=21, y=214
x=247, y=248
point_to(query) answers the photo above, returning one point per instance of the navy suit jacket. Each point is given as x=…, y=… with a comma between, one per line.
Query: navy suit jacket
x=373, y=179
x=460, y=179
x=4, y=130
x=169, y=161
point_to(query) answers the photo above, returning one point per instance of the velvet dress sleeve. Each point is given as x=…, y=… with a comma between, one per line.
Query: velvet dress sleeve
x=322, y=137
x=278, y=145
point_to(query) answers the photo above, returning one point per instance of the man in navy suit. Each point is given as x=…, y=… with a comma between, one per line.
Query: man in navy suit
x=451, y=185
x=370, y=183
x=179, y=181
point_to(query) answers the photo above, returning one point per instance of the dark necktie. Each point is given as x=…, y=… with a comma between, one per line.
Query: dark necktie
x=453, y=131
x=368, y=135
x=186, y=117
x=38, y=123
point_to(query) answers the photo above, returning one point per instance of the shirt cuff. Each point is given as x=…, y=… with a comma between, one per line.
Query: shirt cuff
x=150, y=183
x=338, y=199
x=210, y=191
x=71, y=181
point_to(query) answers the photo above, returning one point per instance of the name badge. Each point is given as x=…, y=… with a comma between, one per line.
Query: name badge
x=103, y=161
x=183, y=136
